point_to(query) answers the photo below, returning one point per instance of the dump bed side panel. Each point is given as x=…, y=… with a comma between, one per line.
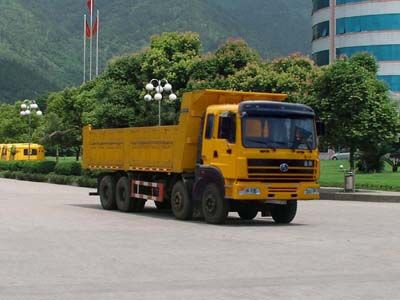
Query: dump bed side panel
x=148, y=148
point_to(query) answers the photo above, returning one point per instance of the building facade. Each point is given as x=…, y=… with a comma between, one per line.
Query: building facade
x=345, y=27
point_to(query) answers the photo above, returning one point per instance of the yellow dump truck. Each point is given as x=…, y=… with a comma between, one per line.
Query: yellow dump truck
x=21, y=152
x=231, y=152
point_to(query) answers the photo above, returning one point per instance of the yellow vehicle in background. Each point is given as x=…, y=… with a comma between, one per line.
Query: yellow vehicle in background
x=21, y=152
x=231, y=152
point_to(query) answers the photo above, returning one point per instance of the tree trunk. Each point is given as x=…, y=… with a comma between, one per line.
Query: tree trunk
x=57, y=154
x=352, y=163
x=78, y=153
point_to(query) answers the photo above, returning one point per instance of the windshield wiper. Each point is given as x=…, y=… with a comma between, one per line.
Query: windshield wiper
x=258, y=141
x=268, y=143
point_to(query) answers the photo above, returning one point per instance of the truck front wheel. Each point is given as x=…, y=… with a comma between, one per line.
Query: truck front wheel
x=215, y=207
x=284, y=214
x=107, y=193
x=181, y=202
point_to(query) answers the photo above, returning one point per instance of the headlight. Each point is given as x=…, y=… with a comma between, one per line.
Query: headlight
x=311, y=191
x=250, y=191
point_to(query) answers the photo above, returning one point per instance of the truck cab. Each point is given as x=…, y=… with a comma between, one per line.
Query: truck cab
x=263, y=152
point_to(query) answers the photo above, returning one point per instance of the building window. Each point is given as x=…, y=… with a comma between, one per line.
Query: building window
x=393, y=82
x=321, y=30
x=368, y=23
x=321, y=58
x=381, y=52
x=319, y=4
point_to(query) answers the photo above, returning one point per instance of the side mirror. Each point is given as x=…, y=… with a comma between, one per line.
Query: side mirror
x=321, y=130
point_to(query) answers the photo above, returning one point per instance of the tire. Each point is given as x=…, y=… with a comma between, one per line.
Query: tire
x=247, y=212
x=284, y=214
x=107, y=193
x=122, y=196
x=181, y=202
x=166, y=205
x=334, y=158
x=215, y=208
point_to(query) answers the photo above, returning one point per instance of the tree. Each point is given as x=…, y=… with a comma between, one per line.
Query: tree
x=355, y=106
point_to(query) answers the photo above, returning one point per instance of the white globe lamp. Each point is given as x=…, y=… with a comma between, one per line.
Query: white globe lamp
x=173, y=97
x=168, y=87
x=149, y=87
x=158, y=97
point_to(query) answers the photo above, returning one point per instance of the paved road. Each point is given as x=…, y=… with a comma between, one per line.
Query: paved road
x=56, y=243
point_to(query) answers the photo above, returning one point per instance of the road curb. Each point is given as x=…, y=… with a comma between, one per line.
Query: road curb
x=361, y=196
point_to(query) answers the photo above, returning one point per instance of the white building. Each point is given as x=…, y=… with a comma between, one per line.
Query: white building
x=345, y=27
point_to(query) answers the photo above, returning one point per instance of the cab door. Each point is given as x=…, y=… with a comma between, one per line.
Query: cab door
x=219, y=142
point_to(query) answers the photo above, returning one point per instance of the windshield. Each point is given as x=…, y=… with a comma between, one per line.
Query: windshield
x=279, y=132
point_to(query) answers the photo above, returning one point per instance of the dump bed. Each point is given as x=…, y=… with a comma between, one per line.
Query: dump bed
x=162, y=148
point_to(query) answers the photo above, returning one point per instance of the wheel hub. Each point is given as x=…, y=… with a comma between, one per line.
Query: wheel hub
x=211, y=204
x=178, y=201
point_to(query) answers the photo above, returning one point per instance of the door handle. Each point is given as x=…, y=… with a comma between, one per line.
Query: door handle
x=229, y=151
x=215, y=154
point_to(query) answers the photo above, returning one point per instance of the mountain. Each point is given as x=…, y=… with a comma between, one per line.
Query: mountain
x=41, y=40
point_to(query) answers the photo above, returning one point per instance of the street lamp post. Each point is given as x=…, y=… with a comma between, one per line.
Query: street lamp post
x=29, y=107
x=159, y=86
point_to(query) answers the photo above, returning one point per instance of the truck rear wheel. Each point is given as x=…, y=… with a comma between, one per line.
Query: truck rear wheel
x=181, y=202
x=284, y=214
x=215, y=207
x=123, y=199
x=107, y=193
x=247, y=212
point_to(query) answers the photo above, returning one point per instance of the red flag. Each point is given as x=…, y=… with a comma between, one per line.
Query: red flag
x=88, y=31
x=90, y=4
x=95, y=27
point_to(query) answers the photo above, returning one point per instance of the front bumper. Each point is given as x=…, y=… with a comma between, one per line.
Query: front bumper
x=261, y=191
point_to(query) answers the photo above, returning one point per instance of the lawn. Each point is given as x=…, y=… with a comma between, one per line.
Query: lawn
x=332, y=176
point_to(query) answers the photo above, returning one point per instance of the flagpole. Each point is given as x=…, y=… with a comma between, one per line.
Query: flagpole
x=97, y=42
x=91, y=40
x=84, y=48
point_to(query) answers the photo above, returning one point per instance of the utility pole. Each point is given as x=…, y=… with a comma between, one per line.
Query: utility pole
x=84, y=48
x=97, y=42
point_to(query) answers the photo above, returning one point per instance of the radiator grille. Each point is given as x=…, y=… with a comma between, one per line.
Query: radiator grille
x=274, y=170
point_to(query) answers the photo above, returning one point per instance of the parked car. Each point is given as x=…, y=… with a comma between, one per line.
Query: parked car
x=341, y=156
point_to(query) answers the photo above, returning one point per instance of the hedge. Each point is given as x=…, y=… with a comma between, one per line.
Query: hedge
x=81, y=181
x=32, y=167
x=68, y=168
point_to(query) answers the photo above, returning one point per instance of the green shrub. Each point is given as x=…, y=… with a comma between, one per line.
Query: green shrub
x=4, y=165
x=92, y=173
x=33, y=167
x=60, y=179
x=8, y=175
x=68, y=168
x=45, y=167
x=85, y=181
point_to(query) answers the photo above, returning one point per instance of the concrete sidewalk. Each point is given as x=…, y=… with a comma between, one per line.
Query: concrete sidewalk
x=360, y=195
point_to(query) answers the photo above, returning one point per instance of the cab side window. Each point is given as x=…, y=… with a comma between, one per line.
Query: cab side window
x=209, y=126
x=227, y=127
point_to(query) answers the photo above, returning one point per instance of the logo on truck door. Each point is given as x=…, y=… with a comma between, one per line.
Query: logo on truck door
x=284, y=168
